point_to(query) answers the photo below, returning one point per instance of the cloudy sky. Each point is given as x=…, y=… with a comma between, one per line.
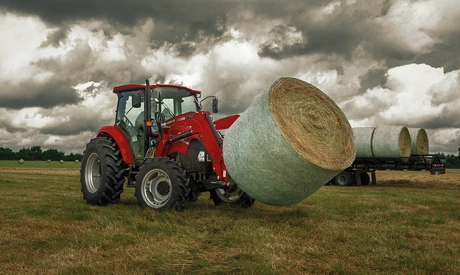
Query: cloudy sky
x=385, y=62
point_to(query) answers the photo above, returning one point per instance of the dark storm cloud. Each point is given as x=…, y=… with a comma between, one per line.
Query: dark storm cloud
x=445, y=54
x=175, y=21
x=185, y=49
x=339, y=33
x=55, y=92
x=56, y=37
x=6, y=123
x=354, y=26
x=80, y=122
x=323, y=38
x=373, y=78
x=385, y=7
x=439, y=148
x=281, y=46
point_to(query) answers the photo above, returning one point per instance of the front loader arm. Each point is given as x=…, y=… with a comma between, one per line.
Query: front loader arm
x=179, y=131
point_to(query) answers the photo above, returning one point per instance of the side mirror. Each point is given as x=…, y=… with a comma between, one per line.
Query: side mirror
x=215, y=105
x=136, y=100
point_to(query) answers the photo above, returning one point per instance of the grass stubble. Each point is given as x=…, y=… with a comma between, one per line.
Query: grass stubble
x=406, y=224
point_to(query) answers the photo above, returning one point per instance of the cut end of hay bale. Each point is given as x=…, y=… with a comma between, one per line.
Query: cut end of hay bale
x=420, y=143
x=405, y=143
x=312, y=124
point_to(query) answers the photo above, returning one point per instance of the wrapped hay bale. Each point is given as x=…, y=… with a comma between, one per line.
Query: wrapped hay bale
x=420, y=144
x=291, y=141
x=363, y=140
x=391, y=142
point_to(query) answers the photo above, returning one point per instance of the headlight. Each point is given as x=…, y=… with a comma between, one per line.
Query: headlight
x=201, y=156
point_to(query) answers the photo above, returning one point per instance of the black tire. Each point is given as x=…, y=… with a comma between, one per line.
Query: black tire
x=235, y=198
x=162, y=184
x=365, y=179
x=102, y=173
x=344, y=179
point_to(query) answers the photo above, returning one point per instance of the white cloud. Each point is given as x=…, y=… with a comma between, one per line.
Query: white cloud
x=31, y=118
x=17, y=49
x=412, y=24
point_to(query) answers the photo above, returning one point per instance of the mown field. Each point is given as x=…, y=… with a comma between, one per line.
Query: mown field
x=409, y=223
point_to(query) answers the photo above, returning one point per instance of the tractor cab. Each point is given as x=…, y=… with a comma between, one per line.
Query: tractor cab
x=137, y=116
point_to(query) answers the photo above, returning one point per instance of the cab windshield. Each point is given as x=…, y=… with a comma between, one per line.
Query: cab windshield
x=173, y=101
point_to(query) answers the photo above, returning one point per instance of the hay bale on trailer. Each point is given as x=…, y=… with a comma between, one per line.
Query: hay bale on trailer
x=420, y=143
x=363, y=140
x=391, y=142
x=291, y=141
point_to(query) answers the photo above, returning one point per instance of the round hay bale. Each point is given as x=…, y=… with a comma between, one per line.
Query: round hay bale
x=61, y=161
x=363, y=140
x=420, y=143
x=49, y=161
x=391, y=142
x=291, y=141
x=21, y=161
x=76, y=161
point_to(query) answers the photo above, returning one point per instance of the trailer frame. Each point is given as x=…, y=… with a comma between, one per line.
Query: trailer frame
x=360, y=168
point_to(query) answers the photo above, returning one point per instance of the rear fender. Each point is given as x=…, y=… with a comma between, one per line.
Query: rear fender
x=120, y=138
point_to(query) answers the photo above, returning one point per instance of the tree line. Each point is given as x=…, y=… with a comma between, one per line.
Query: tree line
x=36, y=153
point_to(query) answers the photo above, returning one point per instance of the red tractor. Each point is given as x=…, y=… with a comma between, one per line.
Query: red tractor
x=165, y=146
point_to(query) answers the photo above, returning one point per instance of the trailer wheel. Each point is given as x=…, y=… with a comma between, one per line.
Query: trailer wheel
x=162, y=184
x=344, y=179
x=102, y=172
x=234, y=197
x=365, y=179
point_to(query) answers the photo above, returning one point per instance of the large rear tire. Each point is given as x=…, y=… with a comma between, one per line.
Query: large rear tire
x=102, y=173
x=162, y=184
x=234, y=197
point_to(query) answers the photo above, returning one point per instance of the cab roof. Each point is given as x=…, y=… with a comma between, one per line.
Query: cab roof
x=131, y=87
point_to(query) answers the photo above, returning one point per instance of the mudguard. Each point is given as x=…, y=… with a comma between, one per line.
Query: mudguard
x=120, y=138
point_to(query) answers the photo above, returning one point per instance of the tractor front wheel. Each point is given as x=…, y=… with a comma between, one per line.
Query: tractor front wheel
x=102, y=172
x=162, y=184
x=233, y=196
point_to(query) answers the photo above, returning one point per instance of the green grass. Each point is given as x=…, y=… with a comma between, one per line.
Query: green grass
x=38, y=164
x=47, y=228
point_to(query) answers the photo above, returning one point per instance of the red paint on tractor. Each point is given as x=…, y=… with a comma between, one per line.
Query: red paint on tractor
x=226, y=122
x=120, y=138
x=201, y=130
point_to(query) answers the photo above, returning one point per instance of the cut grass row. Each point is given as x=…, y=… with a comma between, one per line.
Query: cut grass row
x=46, y=227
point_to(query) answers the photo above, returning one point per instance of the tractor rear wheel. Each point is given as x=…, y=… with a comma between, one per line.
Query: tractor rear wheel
x=162, y=184
x=102, y=172
x=234, y=197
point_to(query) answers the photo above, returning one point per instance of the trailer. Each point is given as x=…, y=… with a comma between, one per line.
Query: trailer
x=358, y=172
